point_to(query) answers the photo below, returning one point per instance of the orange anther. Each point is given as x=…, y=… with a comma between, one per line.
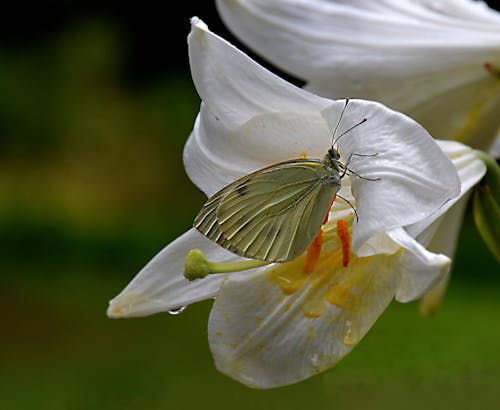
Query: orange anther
x=345, y=238
x=313, y=252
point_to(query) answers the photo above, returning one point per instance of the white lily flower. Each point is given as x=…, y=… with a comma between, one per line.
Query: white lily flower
x=276, y=324
x=435, y=60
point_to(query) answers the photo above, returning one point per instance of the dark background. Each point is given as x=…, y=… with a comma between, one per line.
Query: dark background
x=154, y=33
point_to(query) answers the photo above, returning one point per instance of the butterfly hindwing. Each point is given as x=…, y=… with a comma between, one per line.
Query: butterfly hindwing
x=272, y=214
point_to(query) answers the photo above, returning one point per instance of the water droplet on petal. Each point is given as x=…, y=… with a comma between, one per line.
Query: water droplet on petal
x=177, y=310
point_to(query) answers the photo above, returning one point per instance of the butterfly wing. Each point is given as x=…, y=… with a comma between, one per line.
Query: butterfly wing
x=272, y=214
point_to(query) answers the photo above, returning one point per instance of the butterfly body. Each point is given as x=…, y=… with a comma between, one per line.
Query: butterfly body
x=273, y=214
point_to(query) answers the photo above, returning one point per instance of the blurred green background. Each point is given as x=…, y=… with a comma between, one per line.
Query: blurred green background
x=96, y=103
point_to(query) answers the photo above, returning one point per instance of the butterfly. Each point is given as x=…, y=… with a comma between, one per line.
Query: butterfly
x=275, y=213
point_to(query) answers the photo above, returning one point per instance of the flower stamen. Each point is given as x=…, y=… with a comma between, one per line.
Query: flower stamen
x=313, y=252
x=345, y=238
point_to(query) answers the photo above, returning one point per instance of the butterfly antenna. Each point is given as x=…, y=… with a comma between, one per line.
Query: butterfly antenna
x=348, y=203
x=350, y=129
x=340, y=119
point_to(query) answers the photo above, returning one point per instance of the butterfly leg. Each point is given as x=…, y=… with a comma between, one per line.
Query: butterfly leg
x=346, y=167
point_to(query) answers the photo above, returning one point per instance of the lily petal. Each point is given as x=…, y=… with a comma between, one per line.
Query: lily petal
x=310, y=38
x=470, y=171
x=215, y=156
x=248, y=120
x=160, y=286
x=444, y=235
x=266, y=338
x=252, y=91
x=439, y=233
x=434, y=51
x=420, y=269
x=400, y=146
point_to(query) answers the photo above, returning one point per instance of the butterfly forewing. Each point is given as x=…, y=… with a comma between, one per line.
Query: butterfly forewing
x=272, y=214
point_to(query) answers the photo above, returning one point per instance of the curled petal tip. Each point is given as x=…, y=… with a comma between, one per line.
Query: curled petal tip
x=198, y=23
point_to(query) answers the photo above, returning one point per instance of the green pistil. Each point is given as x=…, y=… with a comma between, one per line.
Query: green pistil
x=196, y=265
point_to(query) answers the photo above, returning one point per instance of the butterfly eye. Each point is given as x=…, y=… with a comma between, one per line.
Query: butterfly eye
x=333, y=153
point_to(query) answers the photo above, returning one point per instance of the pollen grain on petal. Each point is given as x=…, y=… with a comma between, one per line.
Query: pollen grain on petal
x=339, y=295
x=314, y=307
x=289, y=276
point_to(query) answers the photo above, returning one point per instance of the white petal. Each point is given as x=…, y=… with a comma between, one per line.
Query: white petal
x=439, y=233
x=415, y=177
x=420, y=269
x=160, y=286
x=265, y=338
x=470, y=171
x=342, y=40
x=456, y=106
x=425, y=58
x=235, y=87
x=441, y=236
x=249, y=117
x=215, y=156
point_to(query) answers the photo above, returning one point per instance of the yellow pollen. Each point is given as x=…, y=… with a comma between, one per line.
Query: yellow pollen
x=339, y=295
x=303, y=155
x=328, y=283
x=291, y=281
x=329, y=261
x=312, y=314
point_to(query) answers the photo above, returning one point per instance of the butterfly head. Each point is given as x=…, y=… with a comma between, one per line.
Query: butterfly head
x=332, y=159
x=333, y=154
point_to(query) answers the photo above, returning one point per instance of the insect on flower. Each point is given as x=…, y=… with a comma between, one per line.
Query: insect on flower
x=275, y=213
x=271, y=325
